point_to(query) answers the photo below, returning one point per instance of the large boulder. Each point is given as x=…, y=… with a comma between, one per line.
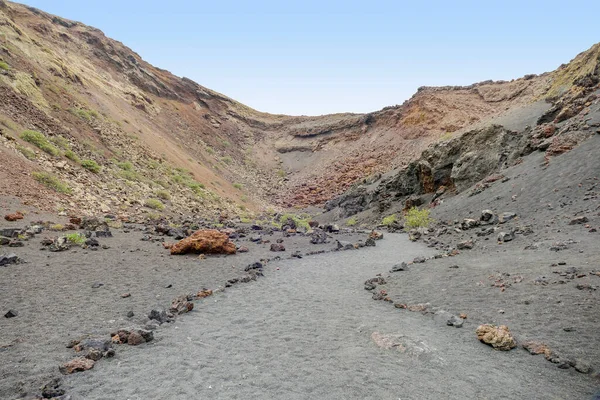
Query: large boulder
x=205, y=242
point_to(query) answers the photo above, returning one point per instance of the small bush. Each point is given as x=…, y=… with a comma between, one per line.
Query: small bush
x=238, y=186
x=154, y=204
x=210, y=150
x=226, y=160
x=82, y=113
x=4, y=66
x=163, y=194
x=51, y=181
x=416, y=218
x=61, y=142
x=130, y=175
x=125, y=166
x=40, y=141
x=76, y=238
x=389, y=220
x=351, y=222
x=91, y=165
x=70, y=154
x=225, y=143
x=299, y=221
x=28, y=153
x=196, y=187
x=57, y=227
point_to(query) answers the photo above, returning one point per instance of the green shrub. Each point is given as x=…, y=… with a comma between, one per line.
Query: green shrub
x=4, y=66
x=196, y=187
x=91, y=165
x=389, y=220
x=154, y=204
x=51, y=181
x=210, y=150
x=61, y=142
x=125, y=166
x=416, y=218
x=298, y=220
x=28, y=153
x=70, y=154
x=82, y=113
x=226, y=160
x=76, y=238
x=40, y=141
x=351, y=222
x=225, y=143
x=163, y=194
x=238, y=186
x=130, y=175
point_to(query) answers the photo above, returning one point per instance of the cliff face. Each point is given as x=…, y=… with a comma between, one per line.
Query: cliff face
x=127, y=134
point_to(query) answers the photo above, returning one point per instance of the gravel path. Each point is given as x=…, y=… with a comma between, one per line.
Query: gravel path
x=304, y=332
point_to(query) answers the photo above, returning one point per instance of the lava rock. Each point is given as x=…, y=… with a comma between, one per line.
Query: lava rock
x=277, y=247
x=505, y=237
x=11, y=314
x=6, y=259
x=205, y=242
x=78, y=364
x=499, y=337
x=399, y=267
x=52, y=389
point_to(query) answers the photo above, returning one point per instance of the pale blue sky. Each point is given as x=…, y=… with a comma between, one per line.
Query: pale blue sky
x=317, y=57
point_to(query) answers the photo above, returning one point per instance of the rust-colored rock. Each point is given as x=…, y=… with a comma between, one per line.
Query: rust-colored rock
x=499, y=337
x=75, y=220
x=78, y=364
x=205, y=242
x=14, y=217
x=535, y=348
x=204, y=293
x=376, y=235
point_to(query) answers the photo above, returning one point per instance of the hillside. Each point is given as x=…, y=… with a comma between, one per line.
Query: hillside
x=128, y=138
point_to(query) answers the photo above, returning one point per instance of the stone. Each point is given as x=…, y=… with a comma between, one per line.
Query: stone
x=11, y=314
x=370, y=242
x=579, y=220
x=535, y=348
x=14, y=217
x=181, y=305
x=505, y=237
x=466, y=245
x=158, y=315
x=469, y=224
x=319, y=237
x=399, y=267
x=499, y=337
x=414, y=235
x=582, y=366
x=419, y=260
x=16, y=243
x=342, y=245
x=207, y=292
x=130, y=314
x=243, y=249
x=376, y=235
x=152, y=325
x=506, y=216
x=135, y=339
x=52, y=389
x=60, y=244
x=6, y=259
x=94, y=354
x=487, y=215
x=256, y=238
x=277, y=247
x=4, y=241
x=297, y=254
x=78, y=364
x=205, y=242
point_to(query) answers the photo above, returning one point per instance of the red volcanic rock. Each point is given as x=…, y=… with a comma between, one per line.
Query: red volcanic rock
x=205, y=242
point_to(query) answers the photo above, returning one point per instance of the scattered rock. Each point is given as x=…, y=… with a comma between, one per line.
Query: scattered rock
x=582, y=366
x=505, y=237
x=97, y=285
x=159, y=315
x=205, y=242
x=370, y=242
x=206, y=292
x=579, y=220
x=242, y=249
x=181, y=305
x=375, y=235
x=487, y=215
x=466, y=245
x=399, y=267
x=130, y=314
x=78, y=364
x=60, y=244
x=319, y=237
x=52, y=389
x=505, y=217
x=14, y=217
x=342, y=245
x=499, y=337
x=419, y=260
x=6, y=259
x=11, y=314
x=132, y=337
x=277, y=247
x=535, y=348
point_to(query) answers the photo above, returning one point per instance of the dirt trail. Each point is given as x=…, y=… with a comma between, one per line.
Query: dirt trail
x=304, y=331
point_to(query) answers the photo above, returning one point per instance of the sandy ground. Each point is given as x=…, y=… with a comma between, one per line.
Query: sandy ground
x=305, y=331
x=56, y=302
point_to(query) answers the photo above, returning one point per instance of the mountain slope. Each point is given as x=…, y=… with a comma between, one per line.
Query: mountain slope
x=163, y=141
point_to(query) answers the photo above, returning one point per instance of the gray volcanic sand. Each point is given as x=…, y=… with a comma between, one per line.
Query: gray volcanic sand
x=304, y=332
x=56, y=302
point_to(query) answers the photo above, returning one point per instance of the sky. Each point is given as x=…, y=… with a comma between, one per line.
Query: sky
x=319, y=57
